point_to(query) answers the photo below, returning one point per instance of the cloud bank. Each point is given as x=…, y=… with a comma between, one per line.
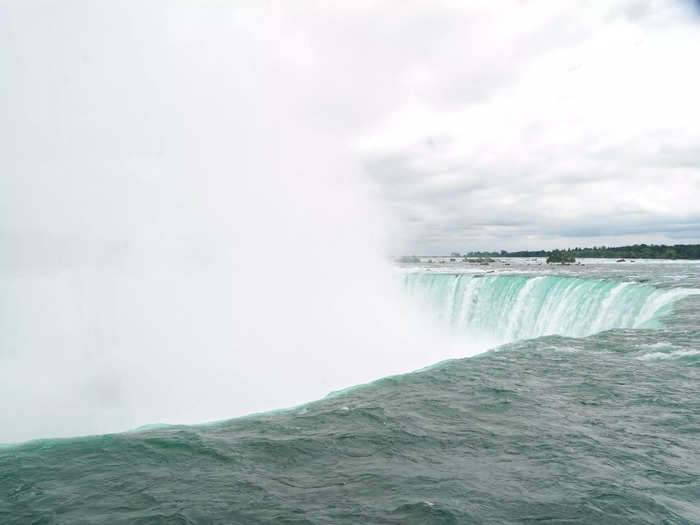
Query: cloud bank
x=514, y=125
x=553, y=127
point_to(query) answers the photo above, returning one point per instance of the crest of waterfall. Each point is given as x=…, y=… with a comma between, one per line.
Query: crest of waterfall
x=513, y=307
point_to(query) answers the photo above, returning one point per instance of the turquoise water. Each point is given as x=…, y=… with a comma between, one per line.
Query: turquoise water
x=513, y=307
x=590, y=413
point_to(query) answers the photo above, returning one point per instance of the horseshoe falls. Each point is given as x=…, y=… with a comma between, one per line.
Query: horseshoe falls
x=523, y=307
x=583, y=407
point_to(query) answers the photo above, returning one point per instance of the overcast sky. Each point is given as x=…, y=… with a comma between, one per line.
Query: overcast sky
x=473, y=125
x=541, y=124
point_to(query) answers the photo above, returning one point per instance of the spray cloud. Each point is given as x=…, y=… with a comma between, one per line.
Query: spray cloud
x=181, y=244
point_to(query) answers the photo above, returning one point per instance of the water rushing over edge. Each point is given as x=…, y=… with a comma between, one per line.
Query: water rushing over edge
x=516, y=307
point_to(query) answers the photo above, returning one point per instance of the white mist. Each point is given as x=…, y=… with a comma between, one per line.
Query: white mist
x=179, y=247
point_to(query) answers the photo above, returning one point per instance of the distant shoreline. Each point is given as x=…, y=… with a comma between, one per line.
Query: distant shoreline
x=636, y=251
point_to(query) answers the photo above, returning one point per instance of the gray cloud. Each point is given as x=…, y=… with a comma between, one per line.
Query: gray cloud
x=596, y=138
x=526, y=113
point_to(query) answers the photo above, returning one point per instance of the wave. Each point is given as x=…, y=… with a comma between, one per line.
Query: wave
x=660, y=356
x=513, y=307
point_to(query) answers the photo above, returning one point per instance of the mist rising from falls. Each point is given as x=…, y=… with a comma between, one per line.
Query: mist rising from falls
x=180, y=242
x=507, y=308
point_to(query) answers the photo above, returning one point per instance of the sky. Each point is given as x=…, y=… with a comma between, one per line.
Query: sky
x=197, y=199
x=541, y=125
x=472, y=125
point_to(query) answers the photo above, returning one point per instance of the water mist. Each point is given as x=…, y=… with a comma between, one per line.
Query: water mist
x=180, y=248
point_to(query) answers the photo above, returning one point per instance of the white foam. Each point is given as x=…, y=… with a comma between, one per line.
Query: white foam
x=660, y=356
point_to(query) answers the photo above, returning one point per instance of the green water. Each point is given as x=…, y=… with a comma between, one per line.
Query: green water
x=603, y=428
x=513, y=307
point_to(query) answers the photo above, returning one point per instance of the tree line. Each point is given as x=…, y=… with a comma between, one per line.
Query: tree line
x=635, y=251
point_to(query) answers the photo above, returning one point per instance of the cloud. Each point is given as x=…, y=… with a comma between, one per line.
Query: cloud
x=463, y=115
x=599, y=130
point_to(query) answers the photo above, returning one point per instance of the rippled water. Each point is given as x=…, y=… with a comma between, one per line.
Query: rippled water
x=597, y=429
